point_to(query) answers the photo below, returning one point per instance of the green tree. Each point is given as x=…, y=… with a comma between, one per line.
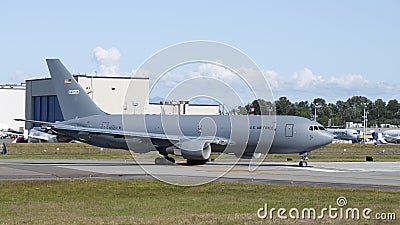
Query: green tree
x=283, y=106
x=302, y=109
x=377, y=112
x=355, y=109
x=336, y=114
x=392, y=112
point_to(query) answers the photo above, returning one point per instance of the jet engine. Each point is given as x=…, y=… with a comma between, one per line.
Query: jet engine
x=196, y=149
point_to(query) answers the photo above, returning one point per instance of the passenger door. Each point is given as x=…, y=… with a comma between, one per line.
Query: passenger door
x=289, y=130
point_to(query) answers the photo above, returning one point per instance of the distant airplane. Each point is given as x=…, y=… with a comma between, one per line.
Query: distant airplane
x=392, y=136
x=378, y=138
x=345, y=134
x=196, y=136
x=37, y=135
x=16, y=136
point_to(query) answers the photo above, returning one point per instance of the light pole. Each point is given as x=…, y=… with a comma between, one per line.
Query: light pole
x=365, y=117
x=316, y=105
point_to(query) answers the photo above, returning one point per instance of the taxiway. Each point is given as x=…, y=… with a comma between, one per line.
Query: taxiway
x=380, y=175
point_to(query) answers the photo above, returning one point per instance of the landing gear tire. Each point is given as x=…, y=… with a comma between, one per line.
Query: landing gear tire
x=164, y=161
x=303, y=164
x=303, y=159
x=190, y=162
x=170, y=159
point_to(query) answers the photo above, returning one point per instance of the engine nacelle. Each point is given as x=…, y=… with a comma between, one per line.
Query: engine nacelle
x=196, y=149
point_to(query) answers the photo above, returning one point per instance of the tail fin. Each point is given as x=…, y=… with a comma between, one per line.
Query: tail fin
x=74, y=101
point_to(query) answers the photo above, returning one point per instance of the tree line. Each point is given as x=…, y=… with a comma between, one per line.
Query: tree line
x=330, y=114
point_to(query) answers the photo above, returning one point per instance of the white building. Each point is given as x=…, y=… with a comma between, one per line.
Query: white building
x=13, y=106
x=109, y=93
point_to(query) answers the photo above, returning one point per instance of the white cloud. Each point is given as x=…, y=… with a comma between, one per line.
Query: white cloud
x=205, y=70
x=140, y=73
x=215, y=71
x=191, y=78
x=305, y=78
x=348, y=81
x=305, y=85
x=107, y=60
x=275, y=80
x=301, y=85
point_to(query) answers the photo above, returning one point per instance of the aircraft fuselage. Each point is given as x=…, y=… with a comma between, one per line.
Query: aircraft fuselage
x=280, y=134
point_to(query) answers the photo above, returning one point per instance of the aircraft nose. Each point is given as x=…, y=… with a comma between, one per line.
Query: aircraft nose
x=327, y=138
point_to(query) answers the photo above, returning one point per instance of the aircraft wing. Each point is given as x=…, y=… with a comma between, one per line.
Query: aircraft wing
x=42, y=138
x=36, y=121
x=172, y=138
x=13, y=133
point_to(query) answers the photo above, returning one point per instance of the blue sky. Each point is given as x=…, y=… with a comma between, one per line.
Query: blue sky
x=308, y=49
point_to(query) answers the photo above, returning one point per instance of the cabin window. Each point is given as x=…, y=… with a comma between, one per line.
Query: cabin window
x=321, y=128
x=315, y=127
x=311, y=128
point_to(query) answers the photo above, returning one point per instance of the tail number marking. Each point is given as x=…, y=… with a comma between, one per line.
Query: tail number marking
x=73, y=92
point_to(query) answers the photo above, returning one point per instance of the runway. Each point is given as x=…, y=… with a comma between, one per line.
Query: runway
x=379, y=175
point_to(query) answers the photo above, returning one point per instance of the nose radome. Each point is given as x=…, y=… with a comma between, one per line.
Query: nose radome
x=328, y=137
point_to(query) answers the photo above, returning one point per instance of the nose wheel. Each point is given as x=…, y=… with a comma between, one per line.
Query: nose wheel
x=303, y=159
x=303, y=163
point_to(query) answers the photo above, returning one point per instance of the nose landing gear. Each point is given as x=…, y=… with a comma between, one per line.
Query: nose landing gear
x=303, y=159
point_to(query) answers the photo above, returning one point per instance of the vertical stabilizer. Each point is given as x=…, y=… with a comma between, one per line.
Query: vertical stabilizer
x=74, y=101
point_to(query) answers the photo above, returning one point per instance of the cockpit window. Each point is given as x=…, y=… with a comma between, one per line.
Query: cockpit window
x=313, y=128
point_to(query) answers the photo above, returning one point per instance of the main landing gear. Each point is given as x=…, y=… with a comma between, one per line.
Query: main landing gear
x=303, y=159
x=165, y=160
x=190, y=162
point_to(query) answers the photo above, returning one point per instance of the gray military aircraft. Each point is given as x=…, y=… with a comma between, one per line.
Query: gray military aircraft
x=195, y=136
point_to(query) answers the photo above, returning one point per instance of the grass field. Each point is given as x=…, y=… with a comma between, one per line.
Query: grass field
x=62, y=150
x=91, y=201
x=152, y=202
